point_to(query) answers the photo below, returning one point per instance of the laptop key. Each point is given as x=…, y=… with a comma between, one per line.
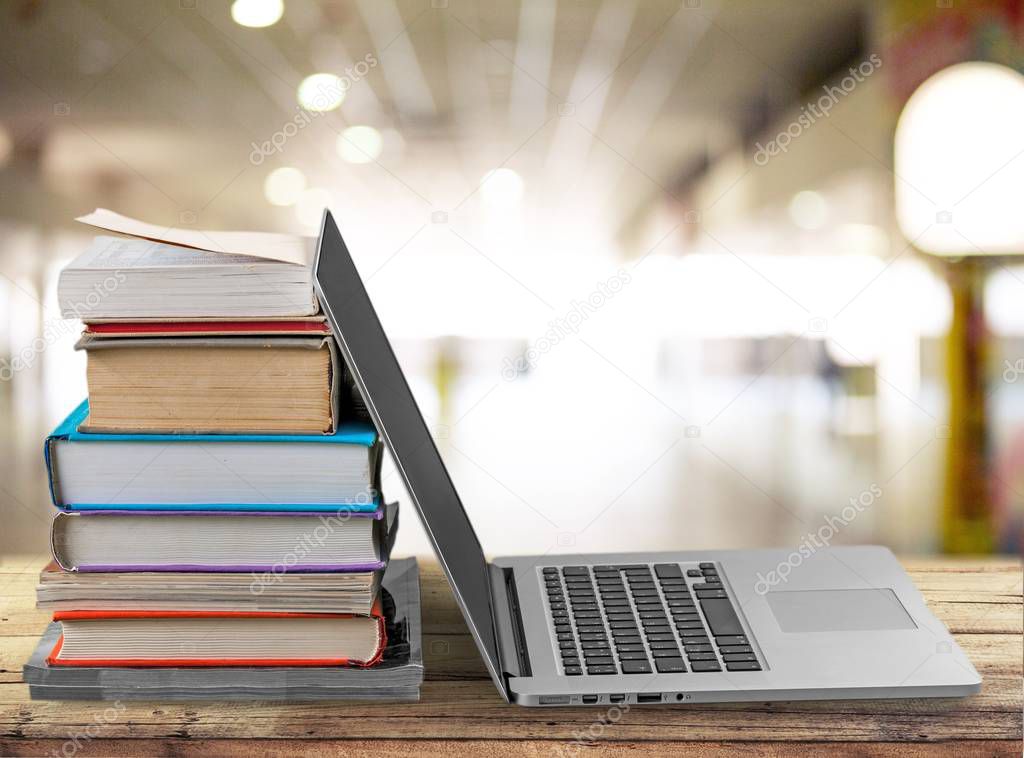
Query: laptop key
x=731, y=639
x=598, y=670
x=565, y=637
x=567, y=645
x=693, y=572
x=575, y=570
x=663, y=637
x=708, y=594
x=691, y=615
x=721, y=617
x=670, y=665
x=698, y=666
x=629, y=641
x=706, y=565
x=695, y=624
x=632, y=655
x=737, y=657
x=622, y=624
x=698, y=648
x=667, y=570
x=663, y=645
x=603, y=660
x=665, y=653
x=657, y=630
x=701, y=657
x=695, y=639
x=593, y=645
x=573, y=671
x=692, y=633
x=630, y=631
x=742, y=666
x=636, y=667
x=678, y=596
x=723, y=649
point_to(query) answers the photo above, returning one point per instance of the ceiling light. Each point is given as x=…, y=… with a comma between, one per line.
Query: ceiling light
x=321, y=92
x=360, y=144
x=310, y=207
x=808, y=210
x=501, y=187
x=257, y=13
x=284, y=185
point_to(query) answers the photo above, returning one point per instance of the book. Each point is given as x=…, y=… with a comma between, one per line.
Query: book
x=222, y=638
x=397, y=675
x=251, y=472
x=116, y=541
x=124, y=278
x=348, y=592
x=206, y=328
x=212, y=384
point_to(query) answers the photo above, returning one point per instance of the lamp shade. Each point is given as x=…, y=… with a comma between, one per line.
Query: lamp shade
x=959, y=162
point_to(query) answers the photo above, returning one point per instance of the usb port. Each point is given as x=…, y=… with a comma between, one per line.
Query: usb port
x=646, y=697
x=554, y=700
x=589, y=699
x=617, y=698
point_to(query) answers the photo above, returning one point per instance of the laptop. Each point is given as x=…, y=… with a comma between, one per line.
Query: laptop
x=634, y=628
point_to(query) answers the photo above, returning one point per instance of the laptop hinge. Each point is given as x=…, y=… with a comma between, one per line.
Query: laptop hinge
x=508, y=624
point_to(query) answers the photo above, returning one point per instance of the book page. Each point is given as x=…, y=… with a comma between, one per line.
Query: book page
x=122, y=253
x=288, y=248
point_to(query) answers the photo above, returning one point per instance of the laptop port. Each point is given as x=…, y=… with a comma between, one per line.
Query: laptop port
x=646, y=697
x=589, y=699
x=554, y=700
x=617, y=698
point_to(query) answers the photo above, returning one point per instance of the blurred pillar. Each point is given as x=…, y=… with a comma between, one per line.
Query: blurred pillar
x=967, y=525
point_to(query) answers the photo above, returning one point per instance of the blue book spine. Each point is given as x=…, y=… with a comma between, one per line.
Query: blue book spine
x=354, y=433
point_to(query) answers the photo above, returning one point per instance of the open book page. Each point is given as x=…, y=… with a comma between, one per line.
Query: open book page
x=121, y=253
x=288, y=248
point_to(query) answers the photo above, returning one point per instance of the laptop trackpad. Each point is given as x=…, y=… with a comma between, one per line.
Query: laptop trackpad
x=839, y=610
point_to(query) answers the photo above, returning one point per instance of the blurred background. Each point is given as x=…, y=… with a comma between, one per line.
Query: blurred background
x=662, y=274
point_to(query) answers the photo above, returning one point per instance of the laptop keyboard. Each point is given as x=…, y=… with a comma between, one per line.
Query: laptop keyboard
x=644, y=619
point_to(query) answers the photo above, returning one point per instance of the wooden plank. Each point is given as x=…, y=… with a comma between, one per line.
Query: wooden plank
x=491, y=749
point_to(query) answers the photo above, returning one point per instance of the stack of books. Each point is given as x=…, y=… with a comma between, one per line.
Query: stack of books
x=220, y=531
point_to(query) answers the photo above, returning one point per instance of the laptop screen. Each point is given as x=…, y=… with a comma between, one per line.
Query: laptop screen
x=370, y=358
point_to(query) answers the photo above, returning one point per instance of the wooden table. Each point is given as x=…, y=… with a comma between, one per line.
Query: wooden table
x=461, y=714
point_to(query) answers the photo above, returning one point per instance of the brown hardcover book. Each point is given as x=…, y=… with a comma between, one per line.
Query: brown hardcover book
x=212, y=385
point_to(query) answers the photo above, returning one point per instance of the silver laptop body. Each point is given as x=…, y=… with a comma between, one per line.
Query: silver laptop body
x=638, y=628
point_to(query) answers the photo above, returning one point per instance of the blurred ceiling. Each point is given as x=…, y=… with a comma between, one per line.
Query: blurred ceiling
x=154, y=107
